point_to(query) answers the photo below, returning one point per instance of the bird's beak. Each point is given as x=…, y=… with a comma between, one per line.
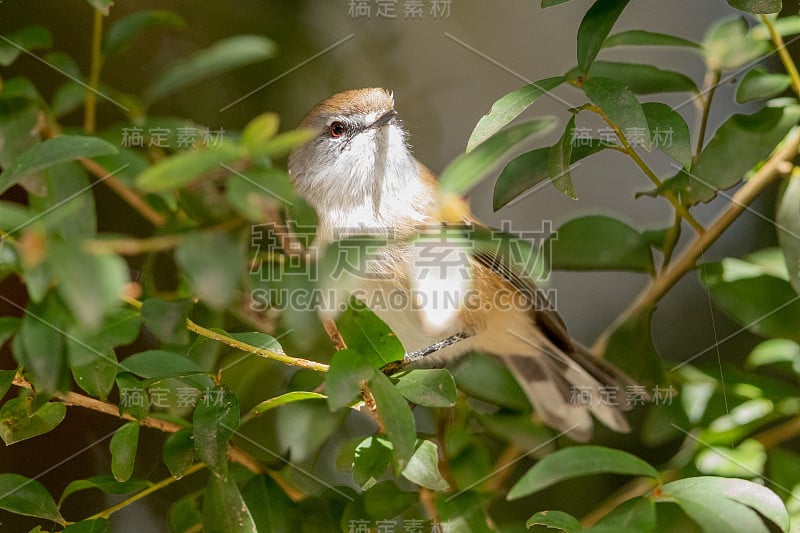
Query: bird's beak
x=384, y=119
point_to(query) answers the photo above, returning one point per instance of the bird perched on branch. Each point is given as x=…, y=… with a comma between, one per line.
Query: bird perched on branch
x=359, y=174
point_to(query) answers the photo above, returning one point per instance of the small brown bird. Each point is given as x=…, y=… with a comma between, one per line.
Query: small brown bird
x=359, y=174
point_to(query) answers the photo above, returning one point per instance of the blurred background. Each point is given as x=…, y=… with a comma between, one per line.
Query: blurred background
x=446, y=67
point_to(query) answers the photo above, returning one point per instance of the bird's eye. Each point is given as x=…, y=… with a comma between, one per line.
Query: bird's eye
x=338, y=129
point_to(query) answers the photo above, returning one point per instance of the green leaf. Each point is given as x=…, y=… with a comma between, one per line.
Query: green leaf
x=726, y=504
x=428, y=387
x=99, y=525
x=19, y=128
x=50, y=153
x=184, y=514
x=757, y=6
x=483, y=377
x=39, y=346
x=728, y=45
x=163, y=364
x=578, y=461
x=755, y=295
x=551, y=3
x=634, y=337
x=529, y=169
x=423, y=467
x=67, y=207
x=283, y=399
x=555, y=520
x=509, y=107
x=636, y=514
x=215, y=420
x=302, y=428
x=594, y=29
x=89, y=283
x=621, y=106
x=103, y=6
x=167, y=320
x=783, y=26
x=281, y=145
x=105, y=483
x=28, y=38
x=386, y=500
x=178, y=452
x=467, y=169
x=669, y=132
x=97, y=376
x=638, y=78
x=67, y=98
x=224, y=509
x=746, y=460
x=742, y=142
x=368, y=335
x=259, y=192
x=125, y=30
x=134, y=400
x=214, y=263
x=370, y=460
x=760, y=83
x=598, y=242
x=259, y=131
x=183, y=168
x=6, y=380
x=788, y=225
x=465, y=513
x=9, y=326
x=28, y=497
x=559, y=159
x=396, y=417
x=273, y=511
x=647, y=38
x=223, y=56
x=123, y=451
x=773, y=351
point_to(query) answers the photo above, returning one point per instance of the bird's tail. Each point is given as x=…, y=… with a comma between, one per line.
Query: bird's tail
x=566, y=389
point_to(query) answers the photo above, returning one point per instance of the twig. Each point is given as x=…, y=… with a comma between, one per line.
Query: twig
x=243, y=346
x=124, y=192
x=786, y=59
x=105, y=513
x=631, y=152
x=79, y=400
x=632, y=489
x=132, y=246
x=711, y=81
x=427, y=498
x=502, y=472
x=774, y=167
x=780, y=433
x=334, y=335
x=90, y=111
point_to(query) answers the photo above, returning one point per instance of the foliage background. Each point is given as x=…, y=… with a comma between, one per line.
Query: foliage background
x=442, y=88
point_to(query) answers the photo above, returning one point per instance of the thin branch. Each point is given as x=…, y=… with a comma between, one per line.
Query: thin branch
x=774, y=167
x=712, y=81
x=105, y=513
x=631, y=152
x=133, y=246
x=633, y=489
x=334, y=335
x=779, y=434
x=783, y=53
x=79, y=400
x=670, y=241
x=243, y=346
x=90, y=110
x=124, y=192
